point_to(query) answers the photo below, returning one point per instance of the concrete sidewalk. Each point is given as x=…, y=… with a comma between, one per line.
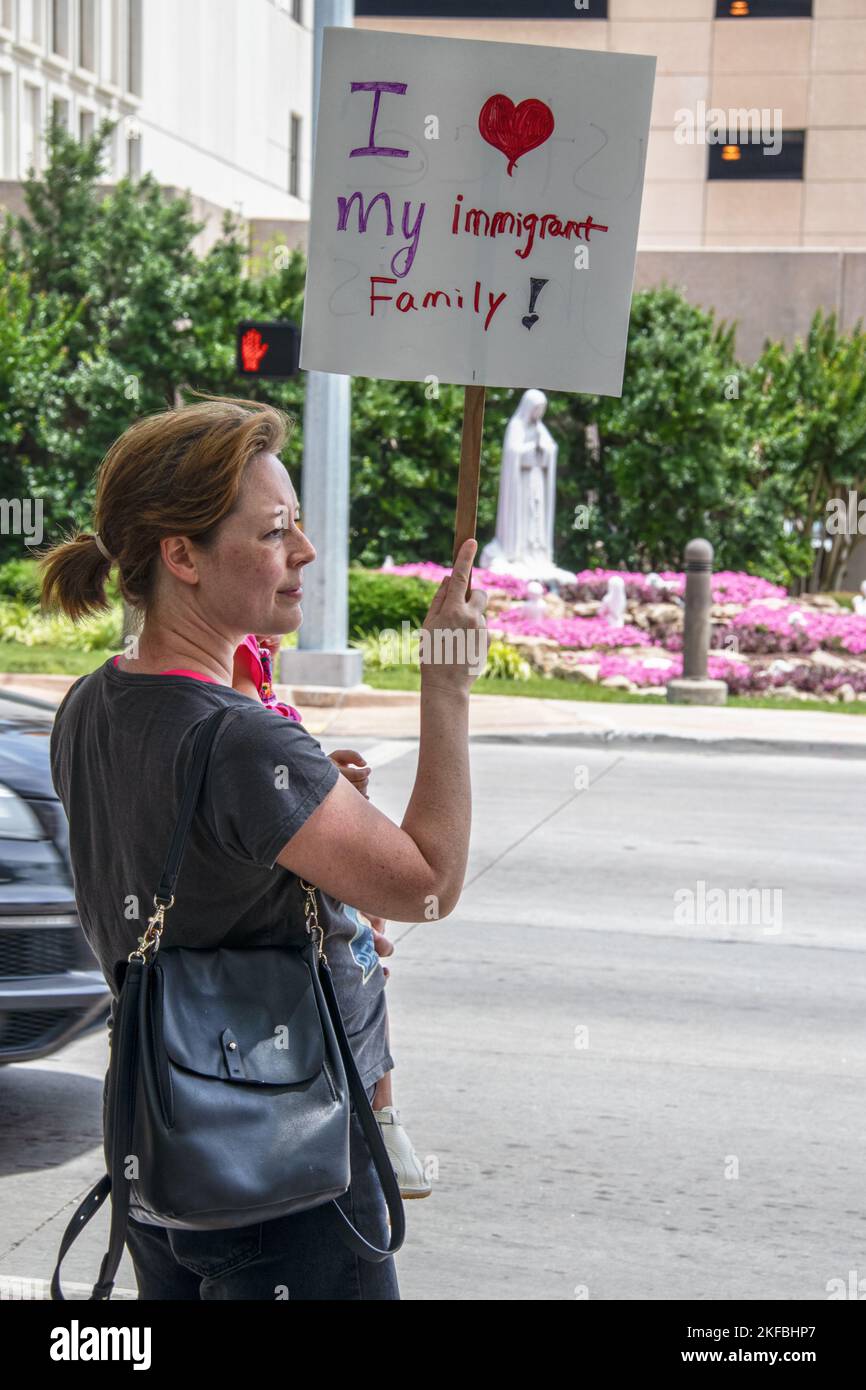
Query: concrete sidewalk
x=364, y=712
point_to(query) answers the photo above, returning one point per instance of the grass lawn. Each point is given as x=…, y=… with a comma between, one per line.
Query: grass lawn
x=50, y=661
x=539, y=687
x=67, y=661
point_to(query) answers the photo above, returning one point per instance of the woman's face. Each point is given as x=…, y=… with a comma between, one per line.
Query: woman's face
x=258, y=557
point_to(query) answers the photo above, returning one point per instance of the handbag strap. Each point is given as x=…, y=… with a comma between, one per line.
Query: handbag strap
x=124, y=1046
x=205, y=735
x=122, y=1085
x=373, y=1136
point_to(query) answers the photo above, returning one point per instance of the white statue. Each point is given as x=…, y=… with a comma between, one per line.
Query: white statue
x=860, y=600
x=523, y=544
x=613, y=604
x=534, y=606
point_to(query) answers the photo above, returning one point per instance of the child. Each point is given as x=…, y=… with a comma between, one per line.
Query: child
x=253, y=676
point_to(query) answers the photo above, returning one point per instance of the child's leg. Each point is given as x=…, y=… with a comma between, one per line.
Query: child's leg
x=382, y=1094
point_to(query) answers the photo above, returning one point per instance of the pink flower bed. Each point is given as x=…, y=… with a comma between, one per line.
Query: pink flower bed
x=481, y=579
x=794, y=629
x=736, y=673
x=759, y=629
x=570, y=632
x=727, y=586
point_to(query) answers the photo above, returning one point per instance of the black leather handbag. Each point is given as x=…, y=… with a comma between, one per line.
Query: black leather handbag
x=229, y=1083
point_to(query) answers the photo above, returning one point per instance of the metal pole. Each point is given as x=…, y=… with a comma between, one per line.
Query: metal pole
x=694, y=687
x=696, y=623
x=323, y=656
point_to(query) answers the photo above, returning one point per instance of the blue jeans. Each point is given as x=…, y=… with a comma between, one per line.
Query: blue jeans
x=298, y=1257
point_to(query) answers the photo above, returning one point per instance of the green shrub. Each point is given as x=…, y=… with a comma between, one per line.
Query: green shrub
x=378, y=651
x=30, y=628
x=378, y=601
x=20, y=579
x=504, y=662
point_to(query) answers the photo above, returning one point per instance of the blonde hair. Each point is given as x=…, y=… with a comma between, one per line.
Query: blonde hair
x=172, y=473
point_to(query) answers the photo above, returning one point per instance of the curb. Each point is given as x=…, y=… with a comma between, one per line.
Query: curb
x=336, y=698
x=640, y=740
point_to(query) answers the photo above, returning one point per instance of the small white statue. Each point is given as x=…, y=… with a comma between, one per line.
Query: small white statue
x=523, y=544
x=533, y=607
x=660, y=587
x=860, y=600
x=613, y=605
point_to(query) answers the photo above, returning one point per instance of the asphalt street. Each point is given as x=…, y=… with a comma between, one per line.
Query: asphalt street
x=624, y=1090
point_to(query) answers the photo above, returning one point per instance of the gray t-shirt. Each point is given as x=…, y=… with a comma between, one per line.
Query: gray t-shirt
x=121, y=755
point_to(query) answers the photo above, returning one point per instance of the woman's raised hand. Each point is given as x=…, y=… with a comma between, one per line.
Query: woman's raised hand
x=454, y=652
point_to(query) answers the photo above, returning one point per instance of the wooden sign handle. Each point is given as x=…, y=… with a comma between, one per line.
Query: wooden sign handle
x=470, y=464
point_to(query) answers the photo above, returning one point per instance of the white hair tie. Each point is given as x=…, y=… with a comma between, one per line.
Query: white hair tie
x=98, y=540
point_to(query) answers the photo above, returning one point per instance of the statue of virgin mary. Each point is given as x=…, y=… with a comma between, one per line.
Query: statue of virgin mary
x=523, y=544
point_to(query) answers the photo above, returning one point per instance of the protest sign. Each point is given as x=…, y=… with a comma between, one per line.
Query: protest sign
x=474, y=213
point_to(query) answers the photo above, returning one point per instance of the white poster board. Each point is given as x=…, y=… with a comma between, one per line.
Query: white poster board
x=475, y=211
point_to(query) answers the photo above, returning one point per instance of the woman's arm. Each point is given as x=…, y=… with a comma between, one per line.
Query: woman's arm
x=412, y=871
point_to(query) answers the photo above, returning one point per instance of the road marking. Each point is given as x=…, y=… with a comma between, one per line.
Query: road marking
x=388, y=750
x=21, y=1289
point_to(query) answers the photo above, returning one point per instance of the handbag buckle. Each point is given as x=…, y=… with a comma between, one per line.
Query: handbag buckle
x=311, y=917
x=153, y=931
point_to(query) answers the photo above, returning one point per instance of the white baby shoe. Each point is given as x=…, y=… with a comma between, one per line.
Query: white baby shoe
x=404, y=1160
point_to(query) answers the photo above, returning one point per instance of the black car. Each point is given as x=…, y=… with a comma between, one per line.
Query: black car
x=51, y=987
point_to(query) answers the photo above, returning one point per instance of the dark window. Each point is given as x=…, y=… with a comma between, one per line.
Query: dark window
x=744, y=160
x=87, y=35
x=298, y=11
x=60, y=28
x=294, y=154
x=477, y=9
x=763, y=9
x=133, y=56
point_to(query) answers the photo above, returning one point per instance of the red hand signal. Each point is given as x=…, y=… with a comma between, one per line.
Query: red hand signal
x=252, y=349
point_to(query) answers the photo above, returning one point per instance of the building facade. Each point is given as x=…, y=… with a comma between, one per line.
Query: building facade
x=210, y=96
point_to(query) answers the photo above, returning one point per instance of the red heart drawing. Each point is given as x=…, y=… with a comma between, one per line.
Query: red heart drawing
x=515, y=129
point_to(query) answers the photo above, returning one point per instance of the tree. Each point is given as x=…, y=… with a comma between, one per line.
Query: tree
x=806, y=413
x=671, y=461
x=33, y=333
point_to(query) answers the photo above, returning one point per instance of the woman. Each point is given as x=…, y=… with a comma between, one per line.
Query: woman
x=201, y=518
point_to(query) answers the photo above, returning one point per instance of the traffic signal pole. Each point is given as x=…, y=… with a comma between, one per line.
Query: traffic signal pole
x=323, y=656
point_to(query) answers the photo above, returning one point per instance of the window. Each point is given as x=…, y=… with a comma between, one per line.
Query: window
x=133, y=150
x=113, y=43
x=86, y=124
x=60, y=28
x=745, y=159
x=133, y=58
x=763, y=9
x=480, y=9
x=29, y=20
x=87, y=34
x=294, y=154
x=298, y=11
x=5, y=126
x=6, y=14
x=31, y=107
x=60, y=112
